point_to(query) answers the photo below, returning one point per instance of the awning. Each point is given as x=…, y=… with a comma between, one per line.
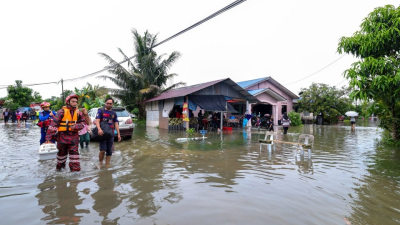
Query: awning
x=212, y=102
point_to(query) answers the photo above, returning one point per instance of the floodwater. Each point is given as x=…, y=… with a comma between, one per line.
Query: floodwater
x=225, y=179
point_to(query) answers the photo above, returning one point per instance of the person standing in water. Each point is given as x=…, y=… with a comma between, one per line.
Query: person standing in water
x=68, y=121
x=13, y=116
x=6, y=115
x=285, y=123
x=24, y=117
x=107, y=115
x=353, y=122
x=84, y=133
x=18, y=114
x=45, y=118
x=271, y=124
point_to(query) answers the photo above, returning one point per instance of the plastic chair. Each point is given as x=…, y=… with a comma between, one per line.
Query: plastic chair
x=308, y=141
x=269, y=136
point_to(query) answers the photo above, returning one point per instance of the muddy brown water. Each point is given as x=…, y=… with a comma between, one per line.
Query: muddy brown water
x=224, y=179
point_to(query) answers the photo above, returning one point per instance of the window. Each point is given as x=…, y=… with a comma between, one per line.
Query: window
x=122, y=113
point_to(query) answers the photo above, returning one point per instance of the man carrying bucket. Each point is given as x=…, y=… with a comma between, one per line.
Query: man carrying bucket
x=68, y=121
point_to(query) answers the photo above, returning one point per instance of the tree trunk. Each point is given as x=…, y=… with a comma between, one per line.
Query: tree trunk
x=394, y=134
x=142, y=111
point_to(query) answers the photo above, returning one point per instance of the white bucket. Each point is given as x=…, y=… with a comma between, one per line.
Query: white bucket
x=48, y=151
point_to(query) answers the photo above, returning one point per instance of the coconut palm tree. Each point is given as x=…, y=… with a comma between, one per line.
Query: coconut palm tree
x=146, y=75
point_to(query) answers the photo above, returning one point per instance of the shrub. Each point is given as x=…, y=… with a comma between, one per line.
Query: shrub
x=295, y=118
x=135, y=111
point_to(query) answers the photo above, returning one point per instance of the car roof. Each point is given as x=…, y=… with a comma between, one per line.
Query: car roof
x=113, y=108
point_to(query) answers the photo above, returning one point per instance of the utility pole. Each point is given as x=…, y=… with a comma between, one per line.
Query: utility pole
x=62, y=90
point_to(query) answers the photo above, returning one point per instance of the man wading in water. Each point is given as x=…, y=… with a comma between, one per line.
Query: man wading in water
x=106, y=114
x=66, y=124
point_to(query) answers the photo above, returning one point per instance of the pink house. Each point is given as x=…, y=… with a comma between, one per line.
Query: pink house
x=274, y=98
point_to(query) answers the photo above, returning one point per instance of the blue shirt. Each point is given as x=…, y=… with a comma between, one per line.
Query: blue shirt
x=109, y=116
x=45, y=115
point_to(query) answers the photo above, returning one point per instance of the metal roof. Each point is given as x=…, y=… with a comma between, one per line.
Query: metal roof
x=269, y=91
x=183, y=91
x=246, y=84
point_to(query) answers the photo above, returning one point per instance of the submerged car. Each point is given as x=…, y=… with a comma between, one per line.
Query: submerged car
x=124, y=121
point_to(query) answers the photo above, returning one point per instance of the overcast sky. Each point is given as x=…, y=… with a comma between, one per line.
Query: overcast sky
x=44, y=41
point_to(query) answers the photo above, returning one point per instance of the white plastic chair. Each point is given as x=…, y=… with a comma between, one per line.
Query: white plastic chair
x=309, y=141
x=269, y=136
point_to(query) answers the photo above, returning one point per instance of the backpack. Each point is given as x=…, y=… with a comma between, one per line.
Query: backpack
x=107, y=131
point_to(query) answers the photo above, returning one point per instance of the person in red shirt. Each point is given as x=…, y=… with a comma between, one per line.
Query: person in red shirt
x=66, y=124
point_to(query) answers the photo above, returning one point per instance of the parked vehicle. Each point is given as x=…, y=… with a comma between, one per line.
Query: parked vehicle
x=25, y=109
x=125, y=121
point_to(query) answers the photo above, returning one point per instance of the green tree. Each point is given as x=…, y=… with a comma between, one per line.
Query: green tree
x=295, y=119
x=89, y=93
x=146, y=76
x=37, y=97
x=21, y=96
x=10, y=104
x=323, y=99
x=376, y=76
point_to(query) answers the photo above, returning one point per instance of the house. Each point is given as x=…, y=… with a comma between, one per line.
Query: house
x=222, y=95
x=274, y=98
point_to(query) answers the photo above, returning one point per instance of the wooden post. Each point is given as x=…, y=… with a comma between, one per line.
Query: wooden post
x=187, y=122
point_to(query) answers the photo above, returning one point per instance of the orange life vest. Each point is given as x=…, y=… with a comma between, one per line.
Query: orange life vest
x=67, y=118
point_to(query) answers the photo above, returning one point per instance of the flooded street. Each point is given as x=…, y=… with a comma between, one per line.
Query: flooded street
x=222, y=180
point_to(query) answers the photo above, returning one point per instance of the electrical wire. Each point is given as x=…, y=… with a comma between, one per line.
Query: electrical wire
x=28, y=85
x=226, y=8
x=341, y=82
x=317, y=71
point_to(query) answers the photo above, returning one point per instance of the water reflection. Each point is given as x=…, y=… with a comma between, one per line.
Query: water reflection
x=376, y=199
x=305, y=165
x=60, y=199
x=155, y=180
x=106, y=198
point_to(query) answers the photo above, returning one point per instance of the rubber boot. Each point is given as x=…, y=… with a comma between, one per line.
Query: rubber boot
x=81, y=144
x=87, y=144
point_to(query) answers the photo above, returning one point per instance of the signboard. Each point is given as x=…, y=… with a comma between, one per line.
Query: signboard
x=185, y=112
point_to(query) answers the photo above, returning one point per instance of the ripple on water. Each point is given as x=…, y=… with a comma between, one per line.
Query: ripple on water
x=156, y=180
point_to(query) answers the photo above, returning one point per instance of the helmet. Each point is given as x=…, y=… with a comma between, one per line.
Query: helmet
x=44, y=104
x=72, y=95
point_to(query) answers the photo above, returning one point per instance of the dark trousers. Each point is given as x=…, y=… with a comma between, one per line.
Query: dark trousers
x=68, y=149
x=285, y=130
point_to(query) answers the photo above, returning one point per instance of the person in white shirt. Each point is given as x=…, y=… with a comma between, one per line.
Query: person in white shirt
x=353, y=122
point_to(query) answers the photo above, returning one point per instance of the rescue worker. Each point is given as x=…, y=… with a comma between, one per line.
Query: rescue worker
x=45, y=118
x=68, y=121
x=37, y=114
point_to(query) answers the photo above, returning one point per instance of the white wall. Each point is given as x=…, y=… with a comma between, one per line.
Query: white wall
x=152, y=118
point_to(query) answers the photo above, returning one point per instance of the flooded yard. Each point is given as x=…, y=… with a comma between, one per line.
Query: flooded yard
x=225, y=179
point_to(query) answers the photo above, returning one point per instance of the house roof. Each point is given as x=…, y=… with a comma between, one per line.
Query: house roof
x=248, y=83
x=183, y=91
x=268, y=91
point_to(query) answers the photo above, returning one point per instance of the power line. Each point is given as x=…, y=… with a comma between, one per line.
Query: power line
x=317, y=71
x=226, y=8
x=341, y=82
x=28, y=85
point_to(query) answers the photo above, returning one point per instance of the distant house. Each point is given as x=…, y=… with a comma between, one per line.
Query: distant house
x=35, y=105
x=1, y=103
x=218, y=95
x=274, y=98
